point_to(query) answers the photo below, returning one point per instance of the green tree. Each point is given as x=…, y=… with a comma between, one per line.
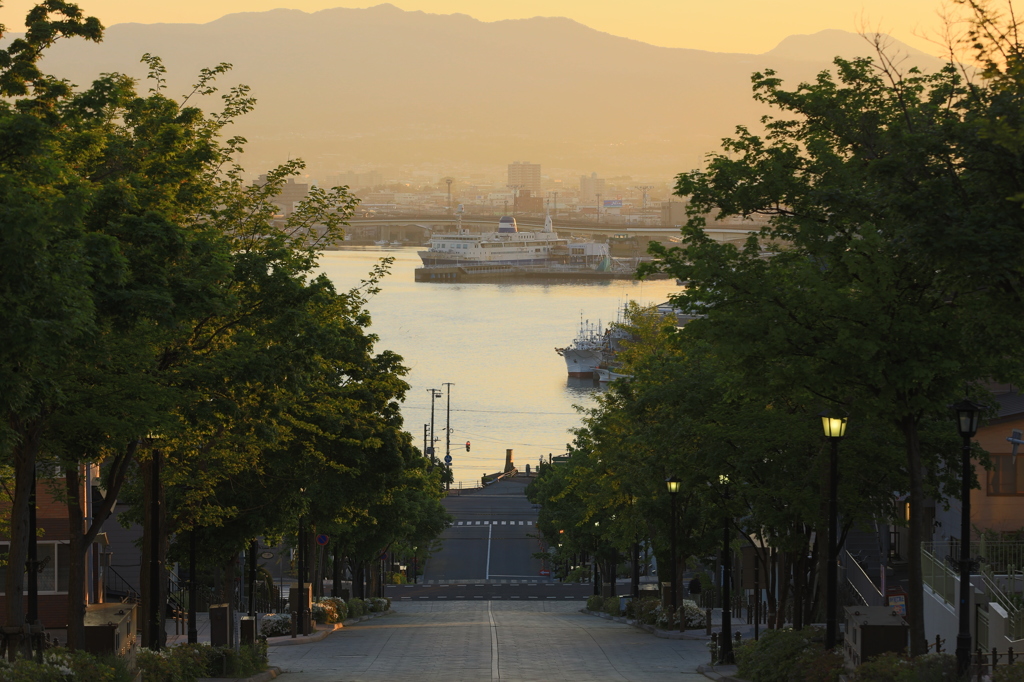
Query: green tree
x=832, y=297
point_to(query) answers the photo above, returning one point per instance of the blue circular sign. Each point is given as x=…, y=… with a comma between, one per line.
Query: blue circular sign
x=447, y=459
x=322, y=540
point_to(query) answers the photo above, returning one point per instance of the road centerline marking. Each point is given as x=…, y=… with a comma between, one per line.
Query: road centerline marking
x=495, y=674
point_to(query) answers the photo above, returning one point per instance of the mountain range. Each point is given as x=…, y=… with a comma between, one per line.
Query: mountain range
x=348, y=87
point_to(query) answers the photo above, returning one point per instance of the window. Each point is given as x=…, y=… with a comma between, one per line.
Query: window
x=55, y=560
x=1006, y=477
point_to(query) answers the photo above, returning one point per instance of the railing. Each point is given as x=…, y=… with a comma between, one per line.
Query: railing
x=940, y=576
x=115, y=584
x=937, y=575
x=861, y=583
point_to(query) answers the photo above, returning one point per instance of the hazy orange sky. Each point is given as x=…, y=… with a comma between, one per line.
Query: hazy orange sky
x=721, y=25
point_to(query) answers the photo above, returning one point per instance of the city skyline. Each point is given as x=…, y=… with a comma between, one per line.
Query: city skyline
x=703, y=26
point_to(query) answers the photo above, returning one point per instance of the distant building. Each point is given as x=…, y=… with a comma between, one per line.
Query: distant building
x=590, y=187
x=525, y=175
x=673, y=213
x=291, y=193
x=528, y=203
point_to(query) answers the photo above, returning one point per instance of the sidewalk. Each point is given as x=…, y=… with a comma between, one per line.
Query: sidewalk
x=203, y=627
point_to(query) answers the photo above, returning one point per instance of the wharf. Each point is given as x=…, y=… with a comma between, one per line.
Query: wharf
x=490, y=273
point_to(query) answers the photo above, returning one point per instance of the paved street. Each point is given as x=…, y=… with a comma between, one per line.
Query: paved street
x=491, y=640
x=493, y=537
x=491, y=590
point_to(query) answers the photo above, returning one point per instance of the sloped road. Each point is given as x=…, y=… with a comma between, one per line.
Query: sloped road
x=491, y=640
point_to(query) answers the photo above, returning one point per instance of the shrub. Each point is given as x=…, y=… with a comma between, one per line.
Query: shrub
x=787, y=656
x=580, y=574
x=1008, y=673
x=377, y=604
x=356, y=607
x=895, y=668
x=611, y=606
x=595, y=602
x=340, y=607
x=646, y=610
x=276, y=625
x=695, y=616
x=325, y=611
x=183, y=663
x=396, y=578
x=61, y=665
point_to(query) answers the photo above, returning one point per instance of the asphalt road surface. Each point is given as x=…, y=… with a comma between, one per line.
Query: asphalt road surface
x=494, y=538
x=470, y=591
x=476, y=641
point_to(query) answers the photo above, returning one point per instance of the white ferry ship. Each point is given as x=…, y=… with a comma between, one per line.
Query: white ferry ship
x=509, y=246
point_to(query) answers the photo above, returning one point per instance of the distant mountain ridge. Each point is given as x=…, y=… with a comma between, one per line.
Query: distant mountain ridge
x=382, y=85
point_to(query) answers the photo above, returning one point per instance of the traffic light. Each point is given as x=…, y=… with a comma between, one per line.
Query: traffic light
x=467, y=446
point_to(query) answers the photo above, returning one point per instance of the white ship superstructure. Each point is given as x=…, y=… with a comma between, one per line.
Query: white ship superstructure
x=507, y=246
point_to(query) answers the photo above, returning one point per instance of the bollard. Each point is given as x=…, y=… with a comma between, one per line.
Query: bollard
x=739, y=637
x=714, y=648
x=995, y=660
x=1009, y=656
x=938, y=644
x=980, y=662
x=707, y=619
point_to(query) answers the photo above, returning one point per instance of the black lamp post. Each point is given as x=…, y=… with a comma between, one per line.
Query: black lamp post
x=725, y=638
x=673, y=483
x=193, y=593
x=835, y=429
x=967, y=415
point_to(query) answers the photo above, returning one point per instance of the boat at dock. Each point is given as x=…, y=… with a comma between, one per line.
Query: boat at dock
x=508, y=246
x=586, y=351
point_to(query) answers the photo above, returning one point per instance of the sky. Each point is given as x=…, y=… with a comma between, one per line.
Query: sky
x=752, y=26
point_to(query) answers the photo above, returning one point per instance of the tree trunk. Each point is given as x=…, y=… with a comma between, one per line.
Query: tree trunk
x=357, y=580
x=783, y=583
x=798, y=590
x=24, y=461
x=915, y=598
x=116, y=474
x=77, y=588
x=146, y=470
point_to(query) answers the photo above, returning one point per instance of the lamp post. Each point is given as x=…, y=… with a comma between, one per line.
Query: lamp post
x=193, y=629
x=673, y=483
x=967, y=415
x=835, y=429
x=725, y=638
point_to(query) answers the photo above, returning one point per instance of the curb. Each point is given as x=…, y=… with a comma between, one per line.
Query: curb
x=265, y=676
x=321, y=634
x=726, y=674
x=663, y=634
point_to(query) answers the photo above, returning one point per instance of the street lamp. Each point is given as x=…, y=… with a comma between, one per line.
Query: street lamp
x=673, y=483
x=835, y=429
x=725, y=638
x=967, y=415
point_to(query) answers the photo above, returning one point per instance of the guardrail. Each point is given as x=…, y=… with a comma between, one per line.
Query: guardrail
x=937, y=575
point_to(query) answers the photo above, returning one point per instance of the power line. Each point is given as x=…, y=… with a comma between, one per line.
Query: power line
x=417, y=407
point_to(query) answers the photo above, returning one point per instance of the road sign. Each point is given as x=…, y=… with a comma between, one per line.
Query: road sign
x=266, y=555
x=545, y=571
x=322, y=539
x=447, y=459
x=430, y=450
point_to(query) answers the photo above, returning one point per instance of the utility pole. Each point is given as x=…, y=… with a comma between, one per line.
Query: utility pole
x=644, y=189
x=448, y=432
x=598, y=207
x=449, y=181
x=434, y=393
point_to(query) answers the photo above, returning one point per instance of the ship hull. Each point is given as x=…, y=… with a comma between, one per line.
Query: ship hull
x=430, y=260
x=581, y=364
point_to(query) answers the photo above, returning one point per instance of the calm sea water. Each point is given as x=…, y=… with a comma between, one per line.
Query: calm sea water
x=495, y=343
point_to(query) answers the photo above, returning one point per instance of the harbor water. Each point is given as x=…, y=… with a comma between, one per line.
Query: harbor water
x=495, y=342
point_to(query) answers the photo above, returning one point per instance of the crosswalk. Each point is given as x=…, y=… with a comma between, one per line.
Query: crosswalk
x=494, y=523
